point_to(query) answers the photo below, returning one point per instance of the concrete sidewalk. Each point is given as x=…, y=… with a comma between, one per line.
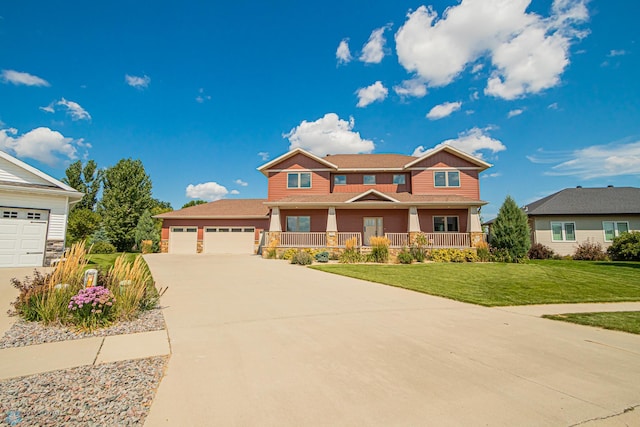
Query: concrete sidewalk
x=539, y=310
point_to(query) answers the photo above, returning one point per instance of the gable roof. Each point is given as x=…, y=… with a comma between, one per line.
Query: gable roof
x=42, y=183
x=452, y=150
x=264, y=168
x=378, y=196
x=588, y=201
x=224, y=208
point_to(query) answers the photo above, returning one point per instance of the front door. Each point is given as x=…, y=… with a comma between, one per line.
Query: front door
x=372, y=227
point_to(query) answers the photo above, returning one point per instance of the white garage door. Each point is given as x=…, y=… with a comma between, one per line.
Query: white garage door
x=229, y=240
x=23, y=234
x=183, y=240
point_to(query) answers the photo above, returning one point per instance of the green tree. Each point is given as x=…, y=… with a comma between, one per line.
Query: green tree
x=510, y=231
x=81, y=224
x=100, y=235
x=86, y=180
x=193, y=203
x=126, y=195
x=146, y=230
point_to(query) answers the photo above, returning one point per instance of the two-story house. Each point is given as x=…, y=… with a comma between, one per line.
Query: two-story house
x=321, y=202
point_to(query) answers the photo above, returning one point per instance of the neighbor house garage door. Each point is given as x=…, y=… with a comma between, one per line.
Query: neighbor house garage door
x=228, y=240
x=23, y=235
x=183, y=240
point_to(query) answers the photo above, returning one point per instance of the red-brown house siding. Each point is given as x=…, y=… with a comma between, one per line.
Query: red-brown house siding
x=299, y=161
x=278, y=185
x=422, y=182
x=351, y=220
x=259, y=224
x=444, y=160
x=384, y=183
x=318, y=218
x=425, y=216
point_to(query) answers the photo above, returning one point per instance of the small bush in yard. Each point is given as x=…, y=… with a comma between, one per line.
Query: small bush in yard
x=302, y=258
x=102, y=248
x=322, y=256
x=482, y=252
x=405, y=256
x=540, y=251
x=92, y=307
x=418, y=249
x=289, y=253
x=625, y=247
x=379, y=249
x=589, y=251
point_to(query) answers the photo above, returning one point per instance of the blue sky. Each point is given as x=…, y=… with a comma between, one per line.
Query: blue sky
x=205, y=92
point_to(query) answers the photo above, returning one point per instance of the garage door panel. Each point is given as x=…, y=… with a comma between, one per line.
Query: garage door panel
x=183, y=240
x=22, y=238
x=229, y=240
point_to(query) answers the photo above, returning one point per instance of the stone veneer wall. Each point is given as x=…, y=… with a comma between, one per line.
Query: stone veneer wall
x=164, y=246
x=54, y=249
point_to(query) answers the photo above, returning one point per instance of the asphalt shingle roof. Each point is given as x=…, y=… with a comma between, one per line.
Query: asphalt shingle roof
x=588, y=201
x=222, y=208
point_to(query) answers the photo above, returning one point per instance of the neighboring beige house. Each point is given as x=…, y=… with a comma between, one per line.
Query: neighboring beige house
x=573, y=216
x=33, y=214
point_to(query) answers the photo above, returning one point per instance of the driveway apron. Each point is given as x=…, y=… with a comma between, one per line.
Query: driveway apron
x=263, y=343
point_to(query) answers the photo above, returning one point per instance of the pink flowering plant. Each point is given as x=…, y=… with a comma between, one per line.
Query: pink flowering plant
x=92, y=307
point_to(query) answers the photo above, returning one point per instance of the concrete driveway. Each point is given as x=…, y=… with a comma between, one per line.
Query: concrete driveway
x=262, y=342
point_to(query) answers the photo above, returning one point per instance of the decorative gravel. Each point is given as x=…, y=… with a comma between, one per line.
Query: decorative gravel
x=110, y=394
x=24, y=333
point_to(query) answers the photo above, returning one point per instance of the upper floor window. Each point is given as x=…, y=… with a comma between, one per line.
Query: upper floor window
x=446, y=179
x=563, y=232
x=613, y=229
x=369, y=180
x=301, y=224
x=445, y=224
x=399, y=179
x=340, y=180
x=299, y=180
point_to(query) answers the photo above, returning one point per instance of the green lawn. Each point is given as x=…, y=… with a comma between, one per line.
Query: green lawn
x=500, y=284
x=105, y=261
x=626, y=321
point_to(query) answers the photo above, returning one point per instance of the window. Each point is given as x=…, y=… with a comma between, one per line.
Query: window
x=299, y=180
x=446, y=179
x=301, y=224
x=444, y=224
x=33, y=215
x=613, y=229
x=340, y=180
x=9, y=214
x=399, y=179
x=369, y=180
x=563, y=231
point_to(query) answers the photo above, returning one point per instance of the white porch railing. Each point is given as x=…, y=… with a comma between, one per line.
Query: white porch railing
x=343, y=237
x=448, y=240
x=290, y=239
x=398, y=240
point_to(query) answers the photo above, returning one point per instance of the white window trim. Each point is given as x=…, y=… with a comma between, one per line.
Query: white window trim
x=616, y=232
x=374, y=179
x=337, y=183
x=446, y=179
x=299, y=187
x=564, y=231
x=446, y=224
x=404, y=178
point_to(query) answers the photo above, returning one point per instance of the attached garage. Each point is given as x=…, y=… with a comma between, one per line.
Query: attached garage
x=33, y=214
x=183, y=240
x=228, y=240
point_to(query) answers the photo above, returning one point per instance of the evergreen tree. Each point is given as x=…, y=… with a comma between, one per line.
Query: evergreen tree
x=85, y=180
x=510, y=231
x=100, y=236
x=146, y=230
x=126, y=195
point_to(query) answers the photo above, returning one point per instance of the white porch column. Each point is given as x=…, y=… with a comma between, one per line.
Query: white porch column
x=332, y=223
x=274, y=222
x=414, y=221
x=473, y=224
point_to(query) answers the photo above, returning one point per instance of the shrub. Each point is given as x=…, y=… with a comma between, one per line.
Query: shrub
x=351, y=244
x=102, y=248
x=625, y=247
x=470, y=255
x=289, y=253
x=129, y=283
x=482, y=252
x=405, y=256
x=510, y=231
x=302, y=258
x=451, y=255
x=92, y=307
x=350, y=256
x=379, y=249
x=418, y=254
x=540, y=251
x=322, y=256
x=589, y=251
x=418, y=249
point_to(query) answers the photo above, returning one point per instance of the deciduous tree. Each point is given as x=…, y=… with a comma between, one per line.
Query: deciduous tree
x=86, y=180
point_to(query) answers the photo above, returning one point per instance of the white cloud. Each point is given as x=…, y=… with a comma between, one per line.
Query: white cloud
x=443, y=110
x=49, y=108
x=553, y=106
x=476, y=68
x=370, y=94
x=491, y=175
x=202, y=97
x=328, y=135
x=515, y=112
x=20, y=78
x=241, y=183
x=373, y=50
x=412, y=87
x=615, y=52
x=210, y=191
x=264, y=155
x=137, y=82
x=74, y=110
x=474, y=96
x=234, y=192
x=472, y=141
x=596, y=161
x=343, y=54
x=41, y=144
x=528, y=52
